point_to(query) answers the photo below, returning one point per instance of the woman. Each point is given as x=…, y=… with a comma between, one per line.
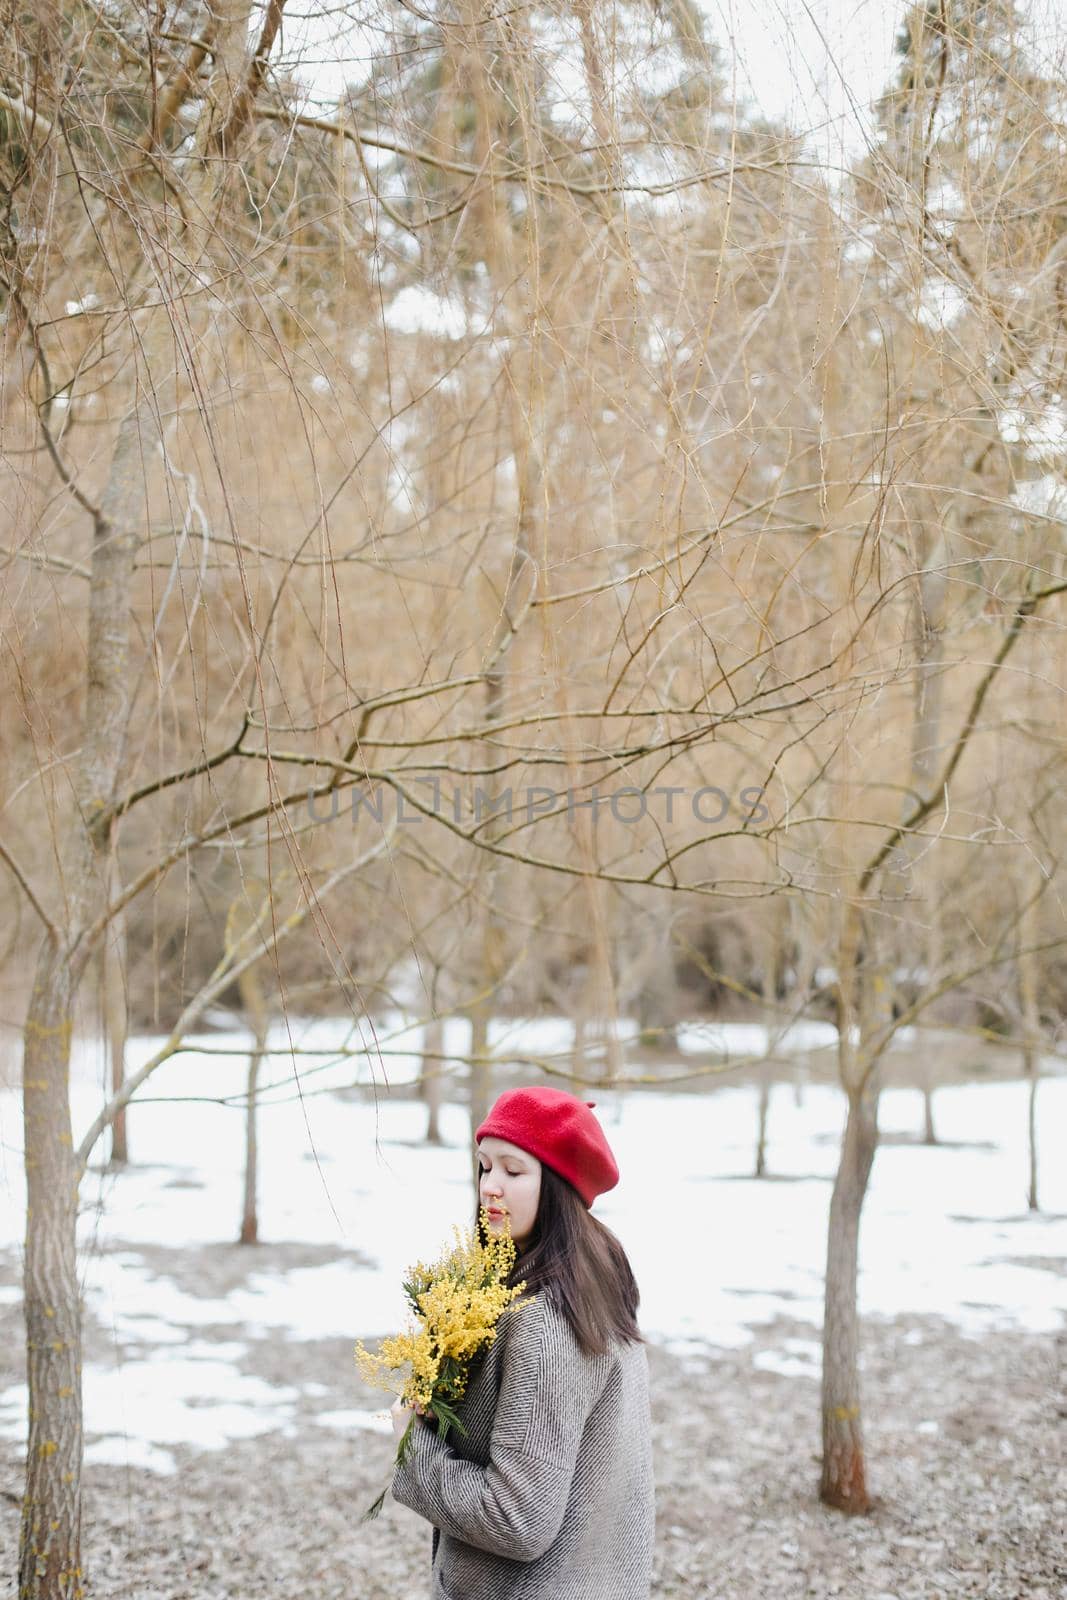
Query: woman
x=550, y=1494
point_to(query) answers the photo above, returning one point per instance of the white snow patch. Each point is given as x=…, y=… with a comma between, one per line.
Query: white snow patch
x=717, y=1254
x=369, y=1421
x=418, y=310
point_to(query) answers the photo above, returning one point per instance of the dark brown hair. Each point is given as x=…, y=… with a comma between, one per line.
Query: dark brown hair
x=579, y=1264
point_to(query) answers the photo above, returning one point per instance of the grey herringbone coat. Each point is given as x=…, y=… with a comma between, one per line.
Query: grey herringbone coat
x=550, y=1496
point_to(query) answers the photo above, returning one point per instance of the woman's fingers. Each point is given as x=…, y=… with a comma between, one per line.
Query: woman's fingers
x=400, y=1405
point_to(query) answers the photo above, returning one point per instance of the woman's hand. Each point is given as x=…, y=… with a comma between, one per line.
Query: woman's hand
x=400, y=1415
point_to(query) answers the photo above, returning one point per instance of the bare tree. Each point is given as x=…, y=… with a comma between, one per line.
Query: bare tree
x=244, y=918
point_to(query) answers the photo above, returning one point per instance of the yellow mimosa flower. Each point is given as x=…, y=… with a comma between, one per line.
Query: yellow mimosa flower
x=458, y=1301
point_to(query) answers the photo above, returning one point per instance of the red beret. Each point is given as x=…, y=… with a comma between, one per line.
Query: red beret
x=560, y=1130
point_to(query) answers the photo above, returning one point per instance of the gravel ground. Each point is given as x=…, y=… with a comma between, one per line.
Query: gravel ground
x=965, y=1444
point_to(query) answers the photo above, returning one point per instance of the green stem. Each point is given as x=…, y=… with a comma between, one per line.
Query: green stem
x=398, y=1461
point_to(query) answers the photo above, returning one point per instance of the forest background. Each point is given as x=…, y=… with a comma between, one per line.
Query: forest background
x=530, y=537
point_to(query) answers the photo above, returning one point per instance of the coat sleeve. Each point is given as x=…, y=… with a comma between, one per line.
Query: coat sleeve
x=513, y=1507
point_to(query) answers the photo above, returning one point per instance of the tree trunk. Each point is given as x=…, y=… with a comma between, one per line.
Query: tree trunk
x=254, y=1003
x=657, y=992
x=516, y=325
x=50, y=1547
x=50, y=1535
x=50, y=1539
x=1031, y=1198
x=583, y=1013
x=864, y=992
x=250, y=1215
x=433, y=1061
x=932, y=900
x=1026, y=969
x=772, y=964
x=926, y=1089
x=116, y=1018
x=595, y=1016
x=844, y=1474
x=928, y=597
x=763, y=1109
x=579, y=1046
x=480, y=1089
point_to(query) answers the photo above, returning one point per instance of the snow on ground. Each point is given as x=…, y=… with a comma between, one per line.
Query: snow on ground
x=945, y=1230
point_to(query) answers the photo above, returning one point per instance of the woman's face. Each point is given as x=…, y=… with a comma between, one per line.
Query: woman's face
x=510, y=1181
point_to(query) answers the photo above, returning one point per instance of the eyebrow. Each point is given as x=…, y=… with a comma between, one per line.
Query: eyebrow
x=507, y=1156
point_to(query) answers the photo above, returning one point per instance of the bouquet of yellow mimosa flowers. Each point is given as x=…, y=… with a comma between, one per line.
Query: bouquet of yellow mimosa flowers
x=458, y=1301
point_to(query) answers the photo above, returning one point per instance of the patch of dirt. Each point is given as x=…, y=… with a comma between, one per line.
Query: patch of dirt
x=212, y=1271
x=1055, y=1264
x=966, y=1460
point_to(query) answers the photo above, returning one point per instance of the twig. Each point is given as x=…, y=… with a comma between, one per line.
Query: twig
x=27, y=889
